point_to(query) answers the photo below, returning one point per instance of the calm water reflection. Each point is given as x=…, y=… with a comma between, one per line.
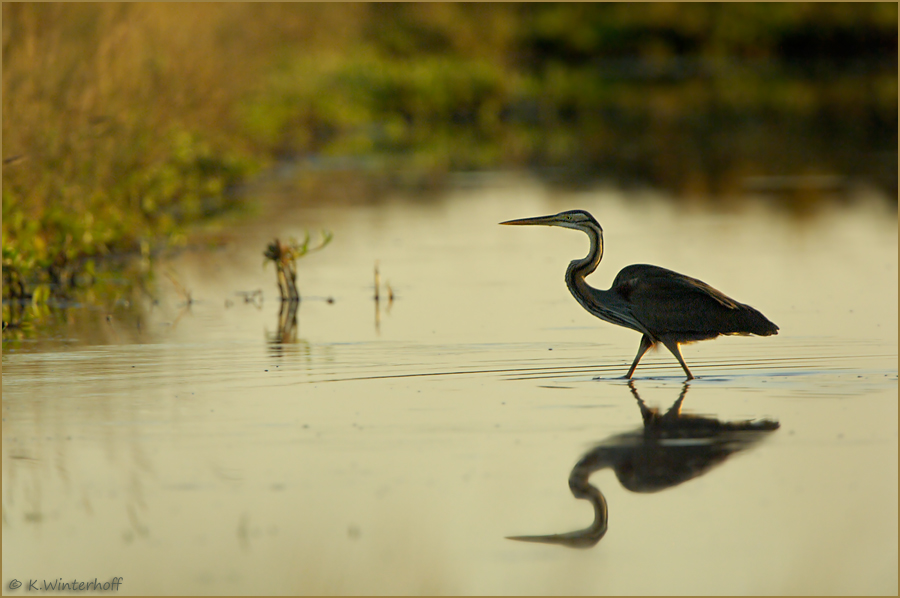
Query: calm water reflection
x=668, y=450
x=234, y=446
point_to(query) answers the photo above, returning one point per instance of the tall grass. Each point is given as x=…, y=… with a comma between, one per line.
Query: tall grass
x=119, y=126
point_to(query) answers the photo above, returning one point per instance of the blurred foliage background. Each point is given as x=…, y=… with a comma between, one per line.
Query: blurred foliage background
x=125, y=124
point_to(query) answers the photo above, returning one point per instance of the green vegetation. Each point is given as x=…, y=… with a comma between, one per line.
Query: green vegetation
x=110, y=146
x=126, y=124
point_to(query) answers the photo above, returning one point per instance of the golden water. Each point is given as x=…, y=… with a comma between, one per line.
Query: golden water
x=392, y=448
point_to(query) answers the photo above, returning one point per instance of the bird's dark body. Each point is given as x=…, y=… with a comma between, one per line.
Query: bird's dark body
x=663, y=305
x=667, y=302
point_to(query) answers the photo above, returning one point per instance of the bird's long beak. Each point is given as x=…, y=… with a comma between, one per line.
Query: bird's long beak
x=545, y=220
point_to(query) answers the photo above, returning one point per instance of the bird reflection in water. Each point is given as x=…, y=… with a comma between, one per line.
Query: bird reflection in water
x=669, y=449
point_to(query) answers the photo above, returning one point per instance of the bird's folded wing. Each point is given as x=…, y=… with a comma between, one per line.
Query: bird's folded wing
x=680, y=304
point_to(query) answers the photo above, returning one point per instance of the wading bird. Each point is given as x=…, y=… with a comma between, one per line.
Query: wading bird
x=664, y=306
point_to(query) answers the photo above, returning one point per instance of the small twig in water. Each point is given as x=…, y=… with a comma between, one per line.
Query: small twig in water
x=377, y=281
x=185, y=294
x=285, y=257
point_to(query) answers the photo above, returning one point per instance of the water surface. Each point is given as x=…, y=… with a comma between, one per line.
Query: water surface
x=392, y=447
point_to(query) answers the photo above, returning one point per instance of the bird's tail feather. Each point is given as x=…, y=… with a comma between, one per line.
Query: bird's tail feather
x=750, y=321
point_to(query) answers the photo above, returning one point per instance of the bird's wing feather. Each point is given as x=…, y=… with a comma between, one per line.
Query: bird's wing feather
x=667, y=302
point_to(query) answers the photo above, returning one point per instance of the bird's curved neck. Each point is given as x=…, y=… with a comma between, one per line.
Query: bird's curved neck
x=578, y=269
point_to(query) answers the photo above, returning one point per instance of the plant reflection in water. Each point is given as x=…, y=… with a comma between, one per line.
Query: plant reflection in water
x=287, y=323
x=668, y=450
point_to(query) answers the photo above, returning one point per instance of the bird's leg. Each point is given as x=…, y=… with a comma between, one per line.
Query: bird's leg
x=647, y=414
x=672, y=345
x=646, y=343
x=674, y=411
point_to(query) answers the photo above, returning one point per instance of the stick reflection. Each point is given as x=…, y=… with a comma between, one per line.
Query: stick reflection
x=287, y=326
x=669, y=449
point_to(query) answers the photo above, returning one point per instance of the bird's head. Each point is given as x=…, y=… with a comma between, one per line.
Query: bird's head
x=577, y=219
